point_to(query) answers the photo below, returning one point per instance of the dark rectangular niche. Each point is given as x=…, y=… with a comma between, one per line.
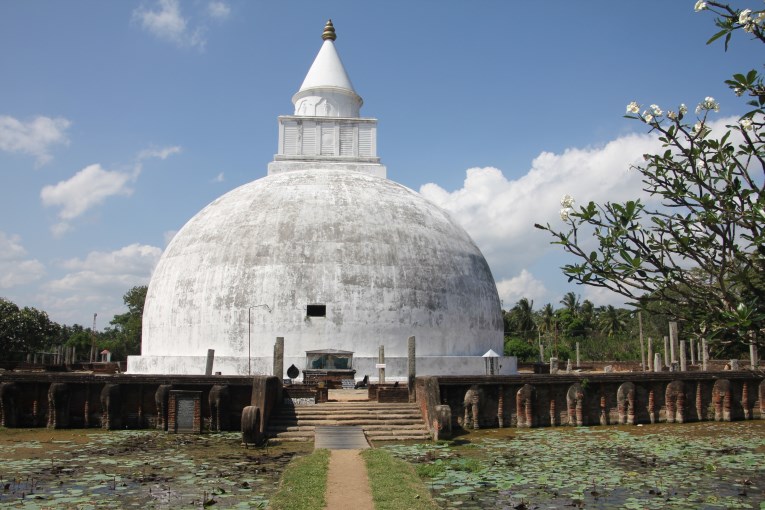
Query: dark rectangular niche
x=184, y=412
x=316, y=310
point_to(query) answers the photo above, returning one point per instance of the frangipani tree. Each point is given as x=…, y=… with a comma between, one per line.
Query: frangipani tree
x=701, y=252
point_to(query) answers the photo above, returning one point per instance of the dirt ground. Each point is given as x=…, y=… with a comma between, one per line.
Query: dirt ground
x=347, y=482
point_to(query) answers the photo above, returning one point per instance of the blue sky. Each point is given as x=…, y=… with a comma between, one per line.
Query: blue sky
x=120, y=120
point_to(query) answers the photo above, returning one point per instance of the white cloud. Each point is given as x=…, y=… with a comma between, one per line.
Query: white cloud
x=218, y=10
x=167, y=22
x=97, y=282
x=34, y=137
x=87, y=188
x=499, y=213
x=219, y=178
x=15, y=267
x=92, y=185
x=525, y=285
x=161, y=153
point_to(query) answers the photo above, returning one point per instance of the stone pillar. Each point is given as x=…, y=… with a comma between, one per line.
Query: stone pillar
x=381, y=361
x=753, y=359
x=683, y=366
x=568, y=366
x=279, y=357
x=578, y=359
x=693, y=352
x=650, y=354
x=673, y=347
x=704, y=355
x=412, y=368
x=734, y=364
x=553, y=365
x=657, y=362
x=666, y=351
x=541, y=353
x=210, y=360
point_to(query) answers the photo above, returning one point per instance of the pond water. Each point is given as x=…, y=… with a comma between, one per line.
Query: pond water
x=694, y=466
x=93, y=469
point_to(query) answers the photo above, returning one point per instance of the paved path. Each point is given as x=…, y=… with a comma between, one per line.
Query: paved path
x=348, y=482
x=340, y=438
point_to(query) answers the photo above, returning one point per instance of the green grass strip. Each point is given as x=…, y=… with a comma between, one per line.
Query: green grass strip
x=394, y=483
x=304, y=484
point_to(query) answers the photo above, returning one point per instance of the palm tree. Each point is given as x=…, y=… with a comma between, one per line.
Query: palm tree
x=571, y=302
x=523, y=318
x=547, y=319
x=612, y=321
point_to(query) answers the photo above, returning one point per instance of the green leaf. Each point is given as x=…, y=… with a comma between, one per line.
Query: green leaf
x=717, y=36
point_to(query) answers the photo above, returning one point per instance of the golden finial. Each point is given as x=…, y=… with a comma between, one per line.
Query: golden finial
x=329, y=31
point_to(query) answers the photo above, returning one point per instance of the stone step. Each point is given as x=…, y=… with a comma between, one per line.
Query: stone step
x=347, y=416
x=374, y=435
x=345, y=421
x=367, y=428
x=413, y=436
x=381, y=422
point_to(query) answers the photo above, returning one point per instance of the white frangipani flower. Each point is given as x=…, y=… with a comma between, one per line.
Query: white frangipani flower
x=567, y=201
x=700, y=6
x=671, y=115
x=683, y=109
x=708, y=103
x=633, y=107
x=564, y=213
x=647, y=117
x=744, y=17
x=746, y=124
x=656, y=110
x=697, y=128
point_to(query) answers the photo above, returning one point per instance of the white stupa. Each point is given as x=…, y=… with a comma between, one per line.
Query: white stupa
x=325, y=252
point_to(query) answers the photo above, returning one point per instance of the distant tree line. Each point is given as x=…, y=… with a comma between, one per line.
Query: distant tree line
x=28, y=330
x=604, y=333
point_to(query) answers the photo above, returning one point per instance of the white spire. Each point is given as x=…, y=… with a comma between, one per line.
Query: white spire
x=327, y=90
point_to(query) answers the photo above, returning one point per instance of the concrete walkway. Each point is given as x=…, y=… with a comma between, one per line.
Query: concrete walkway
x=340, y=437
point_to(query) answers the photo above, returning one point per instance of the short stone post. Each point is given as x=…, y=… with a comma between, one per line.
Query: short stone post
x=578, y=360
x=693, y=352
x=541, y=353
x=381, y=361
x=210, y=359
x=673, y=346
x=734, y=364
x=279, y=357
x=650, y=354
x=666, y=351
x=657, y=362
x=753, y=359
x=553, y=365
x=704, y=355
x=568, y=366
x=412, y=368
x=683, y=362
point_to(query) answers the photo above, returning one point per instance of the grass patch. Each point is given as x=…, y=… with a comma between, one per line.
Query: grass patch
x=394, y=483
x=304, y=483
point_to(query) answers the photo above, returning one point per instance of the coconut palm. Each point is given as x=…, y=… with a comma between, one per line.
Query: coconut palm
x=571, y=302
x=612, y=321
x=523, y=318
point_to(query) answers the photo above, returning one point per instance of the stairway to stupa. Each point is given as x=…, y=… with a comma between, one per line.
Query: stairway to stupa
x=380, y=422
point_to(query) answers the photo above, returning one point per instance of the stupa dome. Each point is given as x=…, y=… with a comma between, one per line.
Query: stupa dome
x=327, y=253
